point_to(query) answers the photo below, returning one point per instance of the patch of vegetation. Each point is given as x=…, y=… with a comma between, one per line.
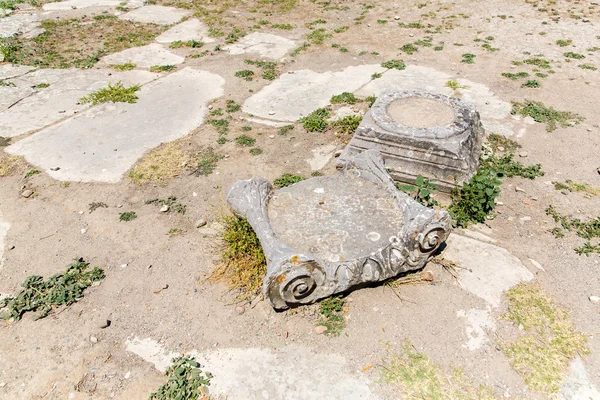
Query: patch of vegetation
x=162, y=68
x=575, y=56
x=246, y=128
x=341, y=29
x=127, y=216
x=123, y=67
x=420, y=378
x=318, y=36
x=588, y=66
x=170, y=201
x=311, y=25
x=41, y=295
x=548, y=115
x=5, y=83
x=585, y=229
x=235, y=35
x=468, y=58
x=77, y=42
x=287, y=180
x=303, y=47
x=564, y=43
x=286, y=27
x=394, y=64
x=454, y=85
x=421, y=191
x=207, y=162
x=376, y=75
x=255, y=151
x=532, y=84
x=506, y=166
x=221, y=125
x=186, y=381
x=32, y=172
x=538, y=62
x=10, y=165
x=245, y=140
x=215, y=33
x=42, y=85
x=96, y=205
x=577, y=187
x=316, y=121
x=245, y=74
x=347, y=125
x=475, y=200
x=285, y=129
x=409, y=49
x=332, y=312
x=243, y=264
x=502, y=143
x=411, y=25
x=489, y=47
x=344, y=98
x=194, y=44
x=549, y=341
x=116, y=93
x=269, y=68
x=4, y=141
x=231, y=106
x=516, y=76
x=163, y=164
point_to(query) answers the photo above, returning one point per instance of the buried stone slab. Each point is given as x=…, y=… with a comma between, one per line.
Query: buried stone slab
x=103, y=142
x=75, y=4
x=22, y=25
x=263, y=44
x=329, y=234
x=192, y=29
x=156, y=15
x=145, y=56
x=421, y=133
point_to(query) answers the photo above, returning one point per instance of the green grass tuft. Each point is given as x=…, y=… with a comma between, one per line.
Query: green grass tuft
x=287, y=180
x=116, y=93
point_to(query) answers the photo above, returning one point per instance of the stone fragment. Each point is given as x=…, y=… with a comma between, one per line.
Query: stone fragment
x=264, y=44
x=201, y=222
x=321, y=156
x=145, y=56
x=27, y=193
x=93, y=339
x=156, y=15
x=320, y=329
x=4, y=227
x=487, y=270
x=22, y=25
x=192, y=29
x=131, y=128
x=594, y=299
x=164, y=208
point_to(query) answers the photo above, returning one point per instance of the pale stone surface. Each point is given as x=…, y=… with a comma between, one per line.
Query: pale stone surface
x=264, y=44
x=8, y=71
x=59, y=100
x=25, y=25
x=293, y=96
x=103, y=142
x=4, y=226
x=479, y=322
x=321, y=156
x=74, y=4
x=487, y=270
x=192, y=29
x=156, y=15
x=145, y=56
x=291, y=373
x=577, y=384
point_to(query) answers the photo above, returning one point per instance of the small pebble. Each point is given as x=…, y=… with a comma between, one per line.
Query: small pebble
x=271, y=112
x=319, y=330
x=272, y=136
x=396, y=18
x=127, y=375
x=518, y=189
x=240, y=310
x=93, y=339
x=594, y=299
x=83, y=230
x=525, y=218
x=337, y=153
x=164, y=208
x=27, y=193
x=500, y=148
x=523, y=154
x=200, y=223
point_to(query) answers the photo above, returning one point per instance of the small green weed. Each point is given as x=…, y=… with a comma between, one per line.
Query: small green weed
x=127, y=216
x=284, y=130
x=341, y=29
x=41, y=295
x=332, y=312
x=532, y=84
x=96, y=205
x=170, y=201
x=116, y=93
x=245, y=140
x=409, y=49
x=235, y=35
x=245, y=74
x=577, y=187
x=318, y=36
x=475, y=200
x=468, y=58
x=585, y=229
x=344, y=98
x=207, y=162
x=347, y=125
x=421, y=191
x=394, y=64
x=246, y=128
x=502, y=143
x=162, y=68
x=564, y=43
x=316, y=121
x=5, y=83
x=588, y=66
x=286, y=27
x=123, y=67
x=186, y=381
x=231, y=106
x=516, y=76
x=42, y=85
x=538, y=62
x=269, y=68
x=376, y=75
x=575, y=56
x=287, y=180
x=548, y=115
x=32, y=172
x=454, y=85
x=506, y=166
x=255, y=151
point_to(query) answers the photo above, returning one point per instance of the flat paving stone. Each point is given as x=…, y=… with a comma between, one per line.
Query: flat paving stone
x=578, y=385
x=102, y=143
x=156, y=15
x=33, y=109
x=192, y=29
x=263, y=44
x=291, y=372
x=487, y=270
x=74, y=4
x=8, y=71
x=24, y=25
x=293, y=96
x=145, y=56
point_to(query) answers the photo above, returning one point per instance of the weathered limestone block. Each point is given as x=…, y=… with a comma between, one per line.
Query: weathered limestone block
x=330, y=234
x=421, y=133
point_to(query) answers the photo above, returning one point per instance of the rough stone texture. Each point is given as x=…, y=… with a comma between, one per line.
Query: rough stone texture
x=192, y=29
x=487, y=270
x=59, y=100
x=321, y=156
x=145, y=56
x=74, y=4
x=4, y=226
x=447, y=153
x=103, y=142
x=156, y=15
x=24, y=25
x=264, y=44
x=291, y=373
x=310, y=271
x=578, y=385
x=8, y=71
x=293, y=96
x=479, y=323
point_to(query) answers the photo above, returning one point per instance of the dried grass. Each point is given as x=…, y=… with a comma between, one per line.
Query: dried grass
x=11, y=165
x=165, y=163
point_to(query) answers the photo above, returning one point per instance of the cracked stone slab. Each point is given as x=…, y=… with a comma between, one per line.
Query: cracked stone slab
x=577, y=384
x=192, y=29
x=291, y=372
x=59, y=100
x=24, y=25
x=297, y=94
x=74, y=4
x=145, y=56
x=160, y=15
x=487, y=270
x=102, y=143
x=8, y=71
x=264, y=44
